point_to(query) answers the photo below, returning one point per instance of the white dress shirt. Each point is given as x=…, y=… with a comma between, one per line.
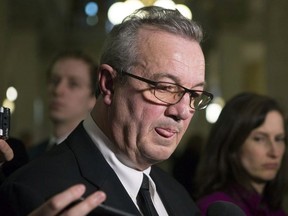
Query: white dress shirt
x=130, y=178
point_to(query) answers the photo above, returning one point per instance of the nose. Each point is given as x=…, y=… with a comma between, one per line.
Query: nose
x=58, y=88
x=180, y=110
x=275, y=149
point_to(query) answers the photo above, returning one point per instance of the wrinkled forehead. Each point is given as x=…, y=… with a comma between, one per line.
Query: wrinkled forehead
x=161, y=52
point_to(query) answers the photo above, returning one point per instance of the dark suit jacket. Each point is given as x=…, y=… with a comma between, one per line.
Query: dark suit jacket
x=38, y=149
x=20, y=158
x=78, y=160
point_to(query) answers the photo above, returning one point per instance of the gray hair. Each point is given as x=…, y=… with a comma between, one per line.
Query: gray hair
x=120, y=49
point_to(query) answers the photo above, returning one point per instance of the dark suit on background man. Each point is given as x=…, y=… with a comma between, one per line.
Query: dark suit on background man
x=38, y=149
x=20, y=158
x=71, y=163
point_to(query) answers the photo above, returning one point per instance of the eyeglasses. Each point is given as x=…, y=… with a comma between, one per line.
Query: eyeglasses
x=172, y=93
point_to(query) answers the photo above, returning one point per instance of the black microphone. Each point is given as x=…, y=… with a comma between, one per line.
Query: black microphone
x=224, y=208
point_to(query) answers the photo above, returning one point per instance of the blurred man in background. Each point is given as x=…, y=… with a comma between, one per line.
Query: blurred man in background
x=71, y=81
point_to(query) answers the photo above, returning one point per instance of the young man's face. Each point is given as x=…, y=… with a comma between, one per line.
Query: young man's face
x=69, y=88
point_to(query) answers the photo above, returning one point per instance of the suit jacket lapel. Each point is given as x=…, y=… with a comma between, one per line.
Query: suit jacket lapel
x=97, y=171
x=167, y=196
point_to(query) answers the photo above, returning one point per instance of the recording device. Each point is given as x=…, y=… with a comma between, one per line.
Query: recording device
x=224, y=208
x=111, y=211
x=4, y=123
x=101, y=210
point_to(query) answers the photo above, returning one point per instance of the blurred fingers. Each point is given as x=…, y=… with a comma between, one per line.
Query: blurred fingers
x=87, y=205
x=6, y=153
x=60, y=201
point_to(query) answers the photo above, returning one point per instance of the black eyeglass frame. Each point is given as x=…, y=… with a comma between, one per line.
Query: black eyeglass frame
x=193, y=93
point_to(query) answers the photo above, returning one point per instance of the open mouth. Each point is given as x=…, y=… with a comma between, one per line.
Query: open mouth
x=165, y=132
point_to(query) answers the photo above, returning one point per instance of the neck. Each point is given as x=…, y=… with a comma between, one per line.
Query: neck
x=62, y=129
x=259, y=187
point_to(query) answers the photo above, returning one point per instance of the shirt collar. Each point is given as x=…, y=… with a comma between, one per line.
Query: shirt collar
x=129, y=177
x=53, y=140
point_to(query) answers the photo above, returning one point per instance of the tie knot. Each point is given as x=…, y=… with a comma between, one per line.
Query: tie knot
x=145, y=182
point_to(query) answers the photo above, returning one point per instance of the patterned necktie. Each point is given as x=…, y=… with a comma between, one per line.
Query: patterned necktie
x=144, y=200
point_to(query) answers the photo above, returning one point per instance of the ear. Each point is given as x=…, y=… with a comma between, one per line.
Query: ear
x=106, y=79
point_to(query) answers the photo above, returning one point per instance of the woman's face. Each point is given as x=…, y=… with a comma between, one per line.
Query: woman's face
x=262, y=151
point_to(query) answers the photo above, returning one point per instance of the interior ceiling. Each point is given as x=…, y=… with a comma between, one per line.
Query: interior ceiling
x=61, y=23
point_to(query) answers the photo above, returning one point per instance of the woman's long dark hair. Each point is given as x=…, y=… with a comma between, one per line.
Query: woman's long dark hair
x=220, y=164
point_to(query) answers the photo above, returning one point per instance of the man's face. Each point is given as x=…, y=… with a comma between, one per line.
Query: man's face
x=70, y=96
x=147, y=131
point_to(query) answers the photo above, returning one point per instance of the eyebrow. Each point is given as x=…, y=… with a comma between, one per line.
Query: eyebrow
x=267, y=134
x=175, y=79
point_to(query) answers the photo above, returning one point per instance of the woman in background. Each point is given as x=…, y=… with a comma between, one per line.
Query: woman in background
x=245, y=161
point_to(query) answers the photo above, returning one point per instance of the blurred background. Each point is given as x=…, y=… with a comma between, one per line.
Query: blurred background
x=245, y=45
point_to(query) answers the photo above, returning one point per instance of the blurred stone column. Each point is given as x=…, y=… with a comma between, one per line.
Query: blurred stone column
x=3, y=38
x=277, y=49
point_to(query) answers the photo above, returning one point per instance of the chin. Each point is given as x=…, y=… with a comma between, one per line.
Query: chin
x=160, y=157
x=270, y=178
x=266, y=178
x=157, y=154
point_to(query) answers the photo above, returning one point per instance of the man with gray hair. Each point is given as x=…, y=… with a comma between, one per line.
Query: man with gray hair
x=151, y=82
